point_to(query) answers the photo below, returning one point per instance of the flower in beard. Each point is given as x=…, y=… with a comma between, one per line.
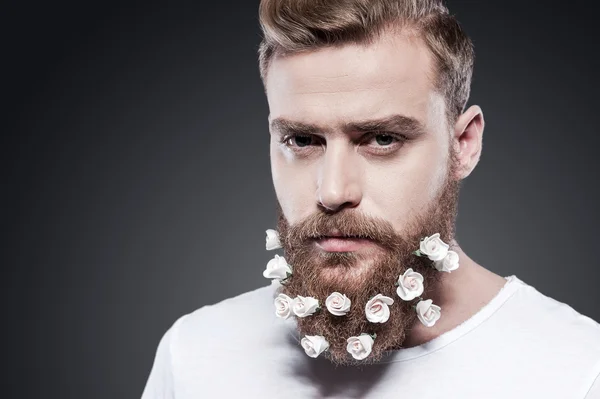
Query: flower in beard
x=410, y=285
x=283, y=306
x=277, y=268
x=449, y=263
x=305, y=306
x=314, y=345
x=428, y=313
x=360, y=347
x=377, y=309
x=433, y=247
x=338, y=304
x=272, y=241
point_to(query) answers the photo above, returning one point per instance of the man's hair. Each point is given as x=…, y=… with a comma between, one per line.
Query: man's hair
x=291, y=26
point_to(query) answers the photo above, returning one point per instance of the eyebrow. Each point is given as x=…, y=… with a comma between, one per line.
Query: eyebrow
x=393, y=123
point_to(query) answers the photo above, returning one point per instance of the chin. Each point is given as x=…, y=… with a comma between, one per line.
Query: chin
x=352, y=273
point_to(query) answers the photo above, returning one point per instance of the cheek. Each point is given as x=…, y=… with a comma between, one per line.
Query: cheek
x=403, y=188
x=295, y=186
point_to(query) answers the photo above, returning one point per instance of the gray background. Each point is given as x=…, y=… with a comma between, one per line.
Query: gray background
x=137, y=188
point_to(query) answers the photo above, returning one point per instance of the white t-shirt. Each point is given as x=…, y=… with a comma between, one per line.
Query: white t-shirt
x=522, y=344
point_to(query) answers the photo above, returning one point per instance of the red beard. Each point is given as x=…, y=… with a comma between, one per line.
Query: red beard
x=317, y=273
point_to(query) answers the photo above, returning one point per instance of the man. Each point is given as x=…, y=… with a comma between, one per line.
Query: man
x=371, y=295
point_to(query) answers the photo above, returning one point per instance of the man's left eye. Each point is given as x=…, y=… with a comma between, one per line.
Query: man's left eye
x=384, y=143
x=384, y=139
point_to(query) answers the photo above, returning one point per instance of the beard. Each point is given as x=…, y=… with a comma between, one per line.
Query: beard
x=363, y=274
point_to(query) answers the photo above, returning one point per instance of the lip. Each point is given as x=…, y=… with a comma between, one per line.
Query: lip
x=338, y=243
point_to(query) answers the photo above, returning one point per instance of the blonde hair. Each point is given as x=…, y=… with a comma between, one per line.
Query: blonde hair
x=291, y=26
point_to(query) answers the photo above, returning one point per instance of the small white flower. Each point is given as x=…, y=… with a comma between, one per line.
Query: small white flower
x=360, y=347
x=410, y=285
x=377, y=309
x=449, y=263
x=304, y=306
x=277, y=268
x=283, y=306
x=272, y=240
x=338, y=304
x=434, y=247
x=428, y=313
x=314, y=345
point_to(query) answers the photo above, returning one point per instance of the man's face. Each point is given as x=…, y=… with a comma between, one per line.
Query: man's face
x=359, y=146
x=357, y=127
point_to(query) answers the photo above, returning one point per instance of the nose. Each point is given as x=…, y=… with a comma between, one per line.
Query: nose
x=339, y=180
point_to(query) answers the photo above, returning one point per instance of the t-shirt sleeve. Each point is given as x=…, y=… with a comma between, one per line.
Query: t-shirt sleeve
x=160, y=383
x=594, y=392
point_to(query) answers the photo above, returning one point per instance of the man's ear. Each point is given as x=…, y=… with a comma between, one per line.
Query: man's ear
x=468, y=132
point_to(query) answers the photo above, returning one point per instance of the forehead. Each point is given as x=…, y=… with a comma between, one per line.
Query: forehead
x=392, y=75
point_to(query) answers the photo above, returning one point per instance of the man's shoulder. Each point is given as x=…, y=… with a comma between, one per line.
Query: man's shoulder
x=255, y=304
x=554, y=325
x=242, y=316
x=548, y=311
x=550, y=337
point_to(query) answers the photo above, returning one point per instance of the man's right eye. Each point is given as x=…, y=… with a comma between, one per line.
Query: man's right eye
x=298, y=140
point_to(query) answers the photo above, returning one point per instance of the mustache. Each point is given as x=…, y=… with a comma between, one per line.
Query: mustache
x=347, y=224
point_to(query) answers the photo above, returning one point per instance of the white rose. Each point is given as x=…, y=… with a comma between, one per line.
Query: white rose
x=360, y=347
x=314, y=345
x=449, y=263
x=304, y=306
x=273, y=240
x=277, y=268
x=434, y=247
x=377, y=309
x=338, y=304
x=410, y=285
x=283, y=306
x=428, y=313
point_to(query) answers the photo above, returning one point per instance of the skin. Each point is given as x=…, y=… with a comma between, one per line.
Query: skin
x=326, y=96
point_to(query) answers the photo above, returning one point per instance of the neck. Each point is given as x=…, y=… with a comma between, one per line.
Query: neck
x=460, y=294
